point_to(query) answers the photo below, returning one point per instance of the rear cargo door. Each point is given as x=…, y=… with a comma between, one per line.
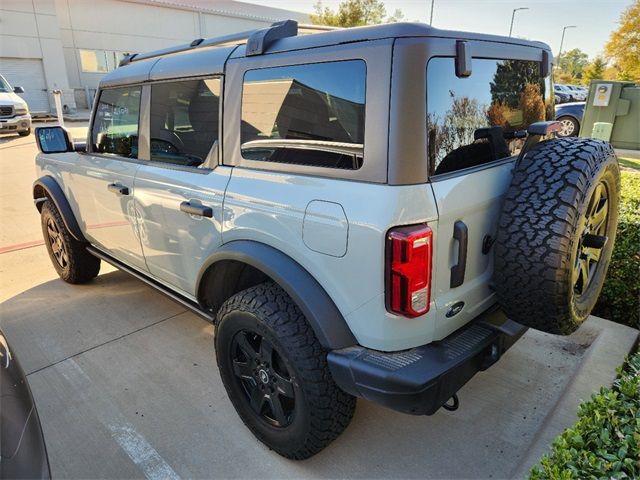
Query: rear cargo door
x=471, y=146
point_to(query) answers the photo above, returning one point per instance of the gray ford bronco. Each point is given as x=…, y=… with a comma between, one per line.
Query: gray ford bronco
x=376, y=212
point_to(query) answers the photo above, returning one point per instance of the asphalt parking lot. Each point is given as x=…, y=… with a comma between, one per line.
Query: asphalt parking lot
x=126, y=384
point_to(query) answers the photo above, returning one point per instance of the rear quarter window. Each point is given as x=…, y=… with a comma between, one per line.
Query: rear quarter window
x=475, y=120
x=310, y=114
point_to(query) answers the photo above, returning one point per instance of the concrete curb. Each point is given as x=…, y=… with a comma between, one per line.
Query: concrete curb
x=607, y=345
x=625, y=153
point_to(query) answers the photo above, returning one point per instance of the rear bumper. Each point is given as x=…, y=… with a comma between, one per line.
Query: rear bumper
x=420, y=380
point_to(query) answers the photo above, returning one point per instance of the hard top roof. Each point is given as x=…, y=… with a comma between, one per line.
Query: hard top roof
x=210, y=60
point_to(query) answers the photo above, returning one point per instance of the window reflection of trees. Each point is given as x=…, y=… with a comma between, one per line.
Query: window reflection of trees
x=517, y=100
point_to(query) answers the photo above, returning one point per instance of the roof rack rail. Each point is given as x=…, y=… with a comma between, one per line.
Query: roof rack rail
x=257, y=41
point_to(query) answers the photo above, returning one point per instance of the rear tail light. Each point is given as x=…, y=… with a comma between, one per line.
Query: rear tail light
x=408, y=270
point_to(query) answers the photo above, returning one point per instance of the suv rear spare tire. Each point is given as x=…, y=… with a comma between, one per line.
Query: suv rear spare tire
x=556, y=233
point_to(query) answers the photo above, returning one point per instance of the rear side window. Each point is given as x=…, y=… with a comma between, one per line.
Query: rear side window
x=309, y=114
x=115, y=126
x=184, y=121
x=479, y=119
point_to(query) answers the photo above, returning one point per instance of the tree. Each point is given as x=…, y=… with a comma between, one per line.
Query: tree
x=354, y=13
x=531, y=104
x=573, y=63
x=623, y=47
x=595, y=70
x=510, y=79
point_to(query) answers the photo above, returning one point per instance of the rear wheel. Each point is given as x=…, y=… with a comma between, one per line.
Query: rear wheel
x=556, y=233
x=276, y=374
x=569, y=127
x=69, y=256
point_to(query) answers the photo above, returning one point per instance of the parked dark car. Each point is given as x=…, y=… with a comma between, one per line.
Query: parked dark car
x=570, y=95
x=22, y=449
x=560, y=96
x=570, y=117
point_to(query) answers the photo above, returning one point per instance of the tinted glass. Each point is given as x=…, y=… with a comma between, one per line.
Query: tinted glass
x=305, y=114
x=115, y=126
x=4, y=86
x=52, y=139
x=482, y=118
x=184, y=121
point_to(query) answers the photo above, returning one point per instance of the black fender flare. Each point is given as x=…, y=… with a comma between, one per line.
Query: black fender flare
x=327, y=322
x=54, y=192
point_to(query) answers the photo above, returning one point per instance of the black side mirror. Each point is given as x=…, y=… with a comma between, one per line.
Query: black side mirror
x=18, y=90
x=545, y=65
x=53, y=140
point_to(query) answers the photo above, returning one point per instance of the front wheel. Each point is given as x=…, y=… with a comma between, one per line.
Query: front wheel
x=69, y=256
x=276, y=374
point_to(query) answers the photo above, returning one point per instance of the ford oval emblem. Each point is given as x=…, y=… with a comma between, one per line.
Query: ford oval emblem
x=455, y=309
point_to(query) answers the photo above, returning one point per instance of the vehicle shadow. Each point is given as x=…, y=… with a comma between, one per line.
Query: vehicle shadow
x=10, y=138
x=114, y=355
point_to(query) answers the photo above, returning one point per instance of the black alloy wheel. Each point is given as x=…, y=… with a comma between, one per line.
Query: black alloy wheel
x=57, y=244
x=592, y=240
x=263, y=376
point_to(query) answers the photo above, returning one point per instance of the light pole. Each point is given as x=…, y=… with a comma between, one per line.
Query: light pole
x=564, y=29
x=513, y=14
x=431, y=17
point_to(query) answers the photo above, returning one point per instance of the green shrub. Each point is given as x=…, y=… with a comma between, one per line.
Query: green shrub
x=605, y=443
x=620, y=297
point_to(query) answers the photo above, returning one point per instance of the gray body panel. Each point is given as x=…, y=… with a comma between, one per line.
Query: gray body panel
x=330, y=223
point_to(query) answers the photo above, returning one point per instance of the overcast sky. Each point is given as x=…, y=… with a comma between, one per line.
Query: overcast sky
x=595, y=19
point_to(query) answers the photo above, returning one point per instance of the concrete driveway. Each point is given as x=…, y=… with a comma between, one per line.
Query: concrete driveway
x=126, y=384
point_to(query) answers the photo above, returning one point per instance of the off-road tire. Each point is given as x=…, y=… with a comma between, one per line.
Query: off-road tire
x=322, y=410
x=78, y=265
x=541, y=233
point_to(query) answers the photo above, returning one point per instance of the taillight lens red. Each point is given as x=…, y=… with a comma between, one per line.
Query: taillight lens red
x=408, y=270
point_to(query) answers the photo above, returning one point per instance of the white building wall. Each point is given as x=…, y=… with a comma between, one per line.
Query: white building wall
x=30, y=30
x=56, y=30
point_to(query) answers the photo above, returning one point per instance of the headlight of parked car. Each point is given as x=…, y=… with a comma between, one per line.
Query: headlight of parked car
x=21, y=109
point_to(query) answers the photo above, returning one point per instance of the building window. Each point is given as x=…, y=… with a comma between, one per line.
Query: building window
x=481, y=118
x=184, y=121
x=94, y=61
x=100, y=61
x=305, y=114
x=115, y=126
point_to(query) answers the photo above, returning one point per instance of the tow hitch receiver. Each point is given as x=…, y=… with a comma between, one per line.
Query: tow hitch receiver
x=453, y=406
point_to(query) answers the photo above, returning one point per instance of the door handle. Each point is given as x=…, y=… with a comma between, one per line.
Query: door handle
x=199, y=210
x=461, y=234
x=118, y=189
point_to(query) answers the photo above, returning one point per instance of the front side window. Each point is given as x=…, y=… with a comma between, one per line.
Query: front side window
x=476, y=120
x=184, y=121
x=115, y=126
x=4, y=85
x=309, y=114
